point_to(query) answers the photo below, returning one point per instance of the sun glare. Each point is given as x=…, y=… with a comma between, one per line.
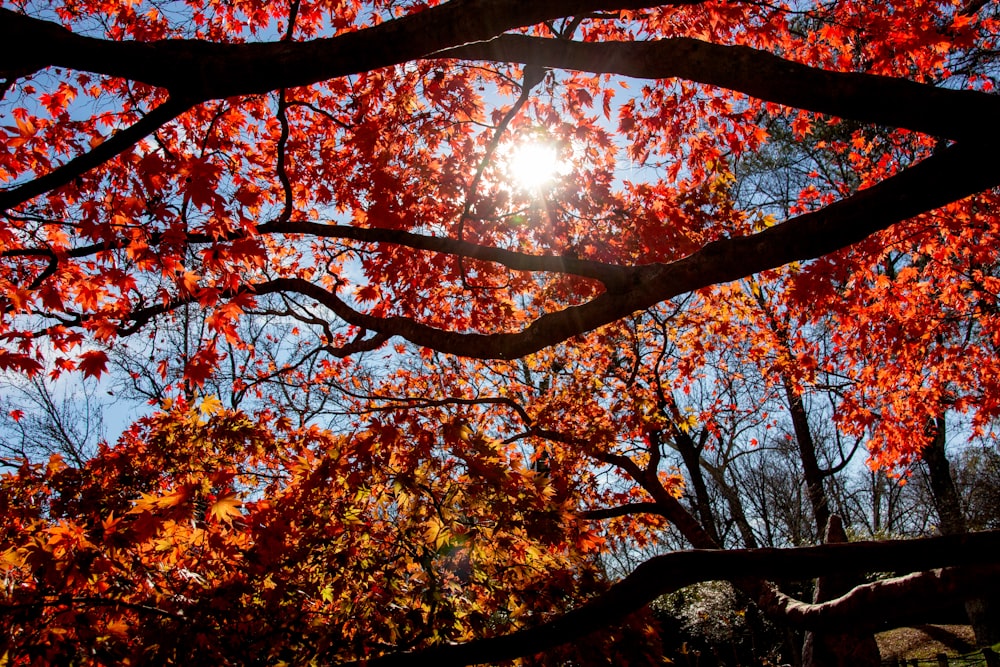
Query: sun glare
x=534, y=165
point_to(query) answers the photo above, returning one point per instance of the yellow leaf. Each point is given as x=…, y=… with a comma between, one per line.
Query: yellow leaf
x=210, y=405
x=226, y=508
x=150, y=502
x=119, y=628
x=436, y=532
x=11, y=558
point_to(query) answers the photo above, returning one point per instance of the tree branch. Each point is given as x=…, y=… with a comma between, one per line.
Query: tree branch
x=612, y=276
x=880, y=603
x=622, y=510
x=954, y=114
x=950, y=175
x=664, y=574
x=115, y=144
x=204, y=70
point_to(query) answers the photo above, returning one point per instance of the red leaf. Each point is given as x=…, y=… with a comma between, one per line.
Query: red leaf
x=20, y=362
x=201, y=366
x=93, y=363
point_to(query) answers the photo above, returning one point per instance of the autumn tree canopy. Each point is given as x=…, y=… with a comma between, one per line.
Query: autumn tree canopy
x=427, y=294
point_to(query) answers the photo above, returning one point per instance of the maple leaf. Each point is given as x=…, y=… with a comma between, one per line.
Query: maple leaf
x=118, y=627
x=226, y=509
x=201, y=179
x=801, y=125
x=189, y=282
x=11, y=558
x=20, y=362
x=93, y=363
x=201, y=366
x=368, y=293
x=151, y=502
x=210, y=405
x=54, y=103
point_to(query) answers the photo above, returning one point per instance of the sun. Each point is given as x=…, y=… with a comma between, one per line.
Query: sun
x=532, y=165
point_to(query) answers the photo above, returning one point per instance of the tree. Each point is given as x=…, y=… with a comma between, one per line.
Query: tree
x=322, y=198
x=40, y=419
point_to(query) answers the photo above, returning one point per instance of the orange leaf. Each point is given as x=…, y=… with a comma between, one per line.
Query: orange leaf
x=225, y=509
x=151, y=502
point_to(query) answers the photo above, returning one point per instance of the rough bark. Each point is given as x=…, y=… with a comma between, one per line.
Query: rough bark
x=469, y=29
x=888, y=602
x=864, y=97
x=201, y=70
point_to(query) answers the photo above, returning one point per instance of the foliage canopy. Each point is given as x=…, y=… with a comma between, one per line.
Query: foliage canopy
x=410, y=399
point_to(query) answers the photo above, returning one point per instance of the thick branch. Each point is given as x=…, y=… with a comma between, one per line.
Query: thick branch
x=117, y=143
x=468, y=29
x=664, y=574
x=201, y=70
x=612, y=276
x=880, y=603
x=622, y=510
x=955, y=114
x=952, y=174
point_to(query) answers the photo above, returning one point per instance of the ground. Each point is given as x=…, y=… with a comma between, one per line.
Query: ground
x=925, y=641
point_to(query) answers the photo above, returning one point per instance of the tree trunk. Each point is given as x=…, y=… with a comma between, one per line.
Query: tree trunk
x=983, y=613
x=951, y=518
x=838, y=649
x=735, y=504
x=690, y=452
x=811, y=471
